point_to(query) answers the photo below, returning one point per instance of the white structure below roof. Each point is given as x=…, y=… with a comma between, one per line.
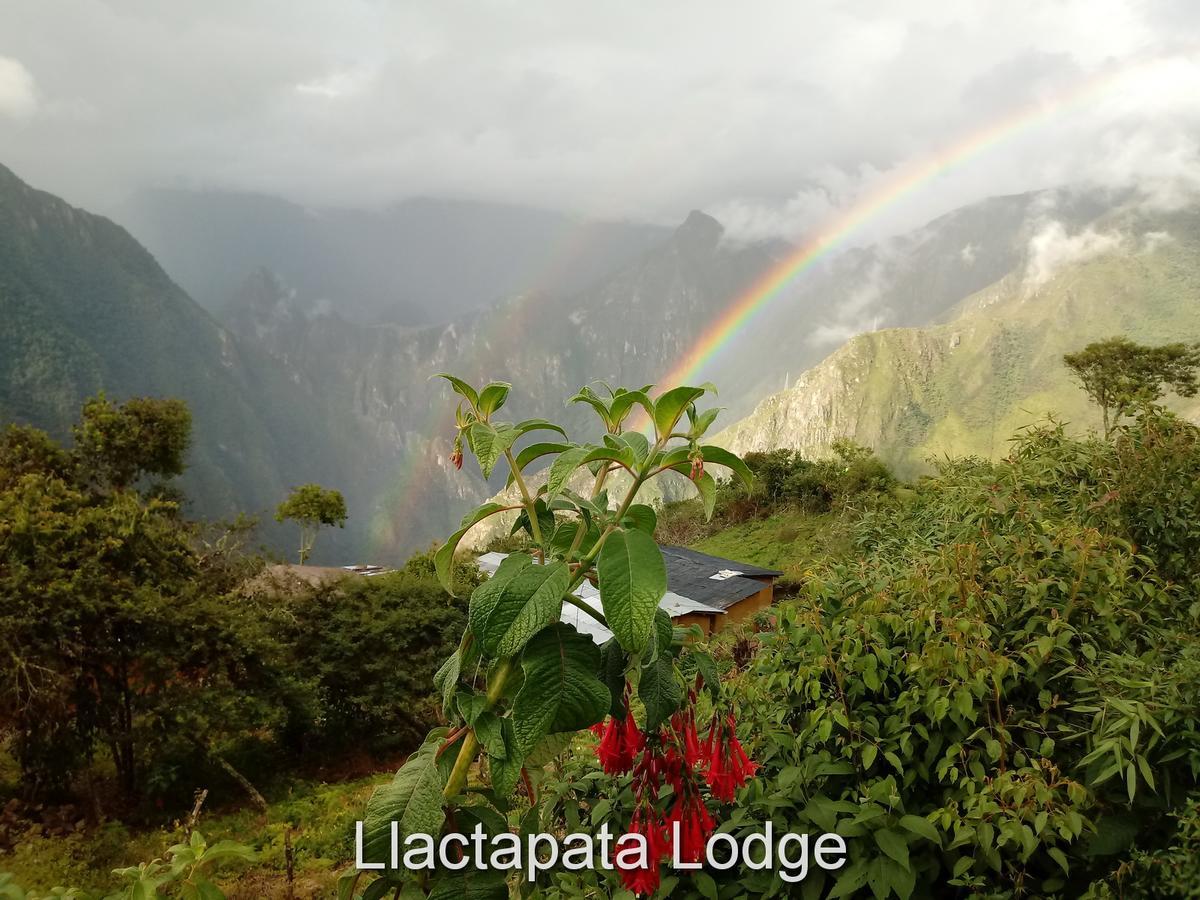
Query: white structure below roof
x=674, y=604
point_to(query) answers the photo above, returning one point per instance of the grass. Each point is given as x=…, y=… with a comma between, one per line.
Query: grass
x=321, y=817
x=790, y=540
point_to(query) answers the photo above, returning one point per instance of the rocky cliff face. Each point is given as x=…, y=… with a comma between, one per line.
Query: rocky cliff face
x=626, y=330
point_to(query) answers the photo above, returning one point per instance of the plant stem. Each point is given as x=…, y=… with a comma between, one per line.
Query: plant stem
x=587, y=608
x=466, y=754
x=535, y=527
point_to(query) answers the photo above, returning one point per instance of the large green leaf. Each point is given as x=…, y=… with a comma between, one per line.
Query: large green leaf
x=671, y=405
x=461, y=387
x=443, y=559
x=504, y=619
x=623, y=455
x=413, y=799
x=659, y=691
x=485, y=597
x=492, y=397
x=722, y=457
x=612, y=671
x=528, y=425
x=536, y=451
x=563, y=467
x=488, y=443
x=624, y=402
x=470, y=884
x=561, y=691
x=633, y=579
x=642, y=517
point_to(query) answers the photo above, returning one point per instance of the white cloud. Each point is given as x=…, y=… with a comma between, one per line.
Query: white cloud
x=18, y=94
x=777, y=116
x=1052, y=247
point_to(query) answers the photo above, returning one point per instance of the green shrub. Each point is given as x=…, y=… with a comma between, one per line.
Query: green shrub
x=368, y=648
x=1002, y=696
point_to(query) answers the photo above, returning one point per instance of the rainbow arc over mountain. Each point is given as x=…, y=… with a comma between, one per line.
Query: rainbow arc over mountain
x=835, y=234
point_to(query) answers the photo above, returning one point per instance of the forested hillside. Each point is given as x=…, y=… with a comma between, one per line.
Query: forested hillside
x=87, y=309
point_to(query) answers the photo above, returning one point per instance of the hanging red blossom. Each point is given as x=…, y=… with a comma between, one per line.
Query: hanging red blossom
x=728, y=765
x=684, y=725
x=695, y=826
x=648, y=822
x=620, y=743
x=456, y=456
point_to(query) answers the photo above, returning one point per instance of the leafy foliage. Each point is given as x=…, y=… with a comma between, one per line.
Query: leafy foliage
x=1001, y=695
x=184, y=872
x=521, y=681
x=312, y=506
x=110, y=620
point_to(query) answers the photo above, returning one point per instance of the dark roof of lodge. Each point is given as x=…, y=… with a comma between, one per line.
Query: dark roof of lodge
x=691, y=574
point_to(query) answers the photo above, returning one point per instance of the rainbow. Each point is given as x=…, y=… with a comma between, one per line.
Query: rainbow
x=769, y=286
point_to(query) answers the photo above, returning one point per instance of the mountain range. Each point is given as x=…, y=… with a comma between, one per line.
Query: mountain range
x=993, y=364
x=311, y=354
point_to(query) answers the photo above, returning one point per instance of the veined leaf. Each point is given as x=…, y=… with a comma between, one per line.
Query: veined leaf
x=642, y=517
x=659, y=691
x=633, y=579
x=529, y=425
x=624, y=456
x=488, y=443
x=471, y=883
x=443, y=559
x=701, y=422
x=612, y=672
x=492, y=397
x=561, y=691
x=535, y=451
x=722, y=457
x=485, y=597
x=623, y=403
x=588, y=396
x=413, y=798
x=563, y=467
x=670, y=406
x=503, y=620
x=461, y=388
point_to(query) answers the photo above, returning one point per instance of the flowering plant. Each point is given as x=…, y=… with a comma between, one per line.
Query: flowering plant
x=522, y=682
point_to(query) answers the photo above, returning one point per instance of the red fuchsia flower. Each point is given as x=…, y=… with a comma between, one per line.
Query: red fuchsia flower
x=648, y=822
x=684, y=725
x=697, y=466
x=728, y=765
x=456, y=455
x=620, y=742
x=695, y=825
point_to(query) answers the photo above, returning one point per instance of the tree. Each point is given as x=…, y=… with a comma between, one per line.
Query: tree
x=312, y=506
x=117, y=445
x=114, y=631
x=1119, y=374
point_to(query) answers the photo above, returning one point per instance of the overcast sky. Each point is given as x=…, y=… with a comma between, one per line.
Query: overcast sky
x=773, y=116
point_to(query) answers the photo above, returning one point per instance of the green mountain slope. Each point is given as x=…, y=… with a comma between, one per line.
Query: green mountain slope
x=995, y=364
x=84, y=307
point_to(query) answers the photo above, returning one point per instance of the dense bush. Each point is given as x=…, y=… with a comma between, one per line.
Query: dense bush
x=1002, y=697
x=787, y=476
x=368, y=648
